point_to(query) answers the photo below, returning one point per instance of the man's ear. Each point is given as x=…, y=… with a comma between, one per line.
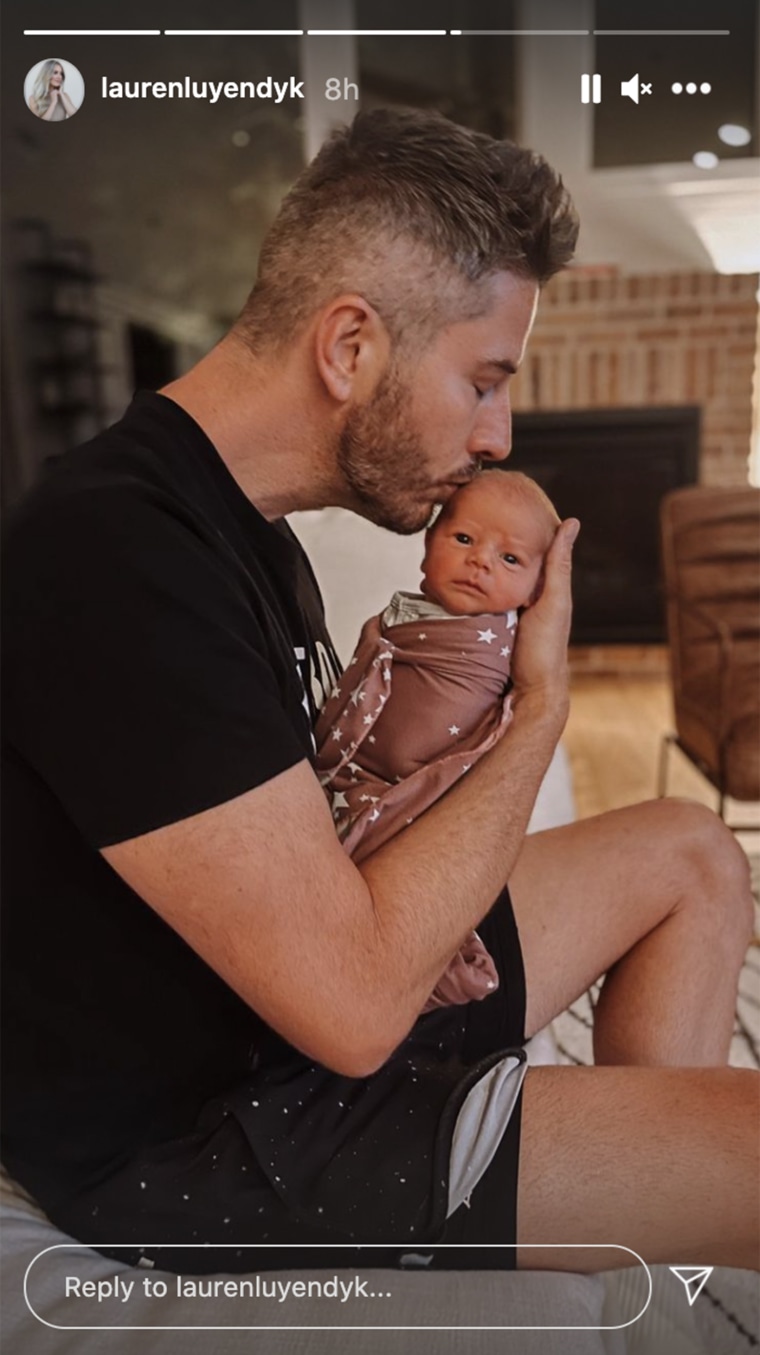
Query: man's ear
x=351, y=348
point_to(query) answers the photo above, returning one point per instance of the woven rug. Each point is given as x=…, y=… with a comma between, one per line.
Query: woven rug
x=726, y=1317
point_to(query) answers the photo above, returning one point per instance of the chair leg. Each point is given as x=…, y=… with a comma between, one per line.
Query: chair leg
x=722, y=783
x=662, y=770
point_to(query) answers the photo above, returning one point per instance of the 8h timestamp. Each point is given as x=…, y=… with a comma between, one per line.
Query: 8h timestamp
x=337, y=88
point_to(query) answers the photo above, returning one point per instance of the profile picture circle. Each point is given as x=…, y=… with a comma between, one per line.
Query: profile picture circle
x=54, y=90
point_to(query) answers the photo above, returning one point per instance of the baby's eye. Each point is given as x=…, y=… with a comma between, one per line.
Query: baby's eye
x=510, y=559
x=462, y=538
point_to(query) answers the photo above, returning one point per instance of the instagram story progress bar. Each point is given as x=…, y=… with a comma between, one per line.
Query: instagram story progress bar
x=381, y=33
x=591, y=89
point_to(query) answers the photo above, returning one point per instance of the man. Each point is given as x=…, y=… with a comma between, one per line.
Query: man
x=215, y=1034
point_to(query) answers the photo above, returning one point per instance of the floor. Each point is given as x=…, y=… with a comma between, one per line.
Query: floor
x=613, y=738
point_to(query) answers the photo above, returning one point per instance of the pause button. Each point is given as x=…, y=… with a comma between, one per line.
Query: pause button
x=591, y=89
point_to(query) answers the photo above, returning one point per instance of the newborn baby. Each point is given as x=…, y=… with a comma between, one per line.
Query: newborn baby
x=426, y=692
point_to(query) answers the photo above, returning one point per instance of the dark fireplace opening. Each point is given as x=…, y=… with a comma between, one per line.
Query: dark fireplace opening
x=610, y=468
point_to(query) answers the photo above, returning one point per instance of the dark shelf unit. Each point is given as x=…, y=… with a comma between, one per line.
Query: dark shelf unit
x=67, y=376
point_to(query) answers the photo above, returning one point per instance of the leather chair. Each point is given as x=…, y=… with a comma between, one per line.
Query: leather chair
x=711, y=570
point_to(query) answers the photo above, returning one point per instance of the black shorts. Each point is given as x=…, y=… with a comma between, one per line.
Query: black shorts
x=490, y=1219
x=172, y=1205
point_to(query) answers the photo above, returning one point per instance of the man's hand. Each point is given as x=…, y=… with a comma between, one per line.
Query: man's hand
x=539, y=665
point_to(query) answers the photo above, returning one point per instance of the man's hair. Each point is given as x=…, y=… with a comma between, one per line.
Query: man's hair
x=406, y=208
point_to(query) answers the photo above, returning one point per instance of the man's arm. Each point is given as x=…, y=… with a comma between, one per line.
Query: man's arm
x=340, y=960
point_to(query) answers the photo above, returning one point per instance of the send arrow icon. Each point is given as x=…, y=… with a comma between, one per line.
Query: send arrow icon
x=693, y=1278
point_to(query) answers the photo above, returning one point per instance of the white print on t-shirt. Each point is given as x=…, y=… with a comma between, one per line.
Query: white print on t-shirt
x=300, y=654
x=320, y=684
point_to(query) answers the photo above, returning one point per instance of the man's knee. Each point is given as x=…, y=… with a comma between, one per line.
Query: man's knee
x=713, y=868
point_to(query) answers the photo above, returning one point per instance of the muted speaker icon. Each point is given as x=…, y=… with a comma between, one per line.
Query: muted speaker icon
x=630, y=89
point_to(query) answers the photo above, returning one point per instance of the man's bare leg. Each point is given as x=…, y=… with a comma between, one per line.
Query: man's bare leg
x=664, y=1161
x=661, y=1158
x=657, y=896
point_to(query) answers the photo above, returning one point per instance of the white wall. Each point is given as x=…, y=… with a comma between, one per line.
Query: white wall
x=358, y=567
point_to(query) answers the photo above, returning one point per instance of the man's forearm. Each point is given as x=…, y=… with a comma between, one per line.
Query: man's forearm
x=438, y=878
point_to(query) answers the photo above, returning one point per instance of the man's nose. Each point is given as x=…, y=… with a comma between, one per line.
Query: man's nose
x=491, y=438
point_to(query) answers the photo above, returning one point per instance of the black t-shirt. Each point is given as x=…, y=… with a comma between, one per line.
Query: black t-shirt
x=164, y=652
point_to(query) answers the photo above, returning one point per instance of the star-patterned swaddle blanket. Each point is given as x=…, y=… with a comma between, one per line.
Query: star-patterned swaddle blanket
x=423, y=698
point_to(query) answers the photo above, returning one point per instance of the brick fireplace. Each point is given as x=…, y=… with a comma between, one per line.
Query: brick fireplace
x=602, y=340
x=611, y=468
x=636, y=347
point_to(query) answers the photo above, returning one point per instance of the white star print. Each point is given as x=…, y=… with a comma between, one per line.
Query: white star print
x=386, y=655
x=356, y=694
x=486, y=636
x=504, y=652
x=368, y=720
x=466, y=767
x=339, y=800
x=354, y=768
x=387, y=674
x=371, y=739
x=374, y=815
x=337, y=735
x=453, y=729
x=363, y=799
x=335, y=693
x=422, y=637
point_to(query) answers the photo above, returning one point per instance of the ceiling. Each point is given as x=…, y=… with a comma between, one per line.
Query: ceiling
x=175, y=195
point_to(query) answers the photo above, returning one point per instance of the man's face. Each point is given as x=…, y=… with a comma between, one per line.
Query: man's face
x=428, y=427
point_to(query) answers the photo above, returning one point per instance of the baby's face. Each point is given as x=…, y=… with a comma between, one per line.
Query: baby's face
x=485, y=555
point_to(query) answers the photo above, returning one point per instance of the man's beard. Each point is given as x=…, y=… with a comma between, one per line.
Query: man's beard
x=383, y=462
